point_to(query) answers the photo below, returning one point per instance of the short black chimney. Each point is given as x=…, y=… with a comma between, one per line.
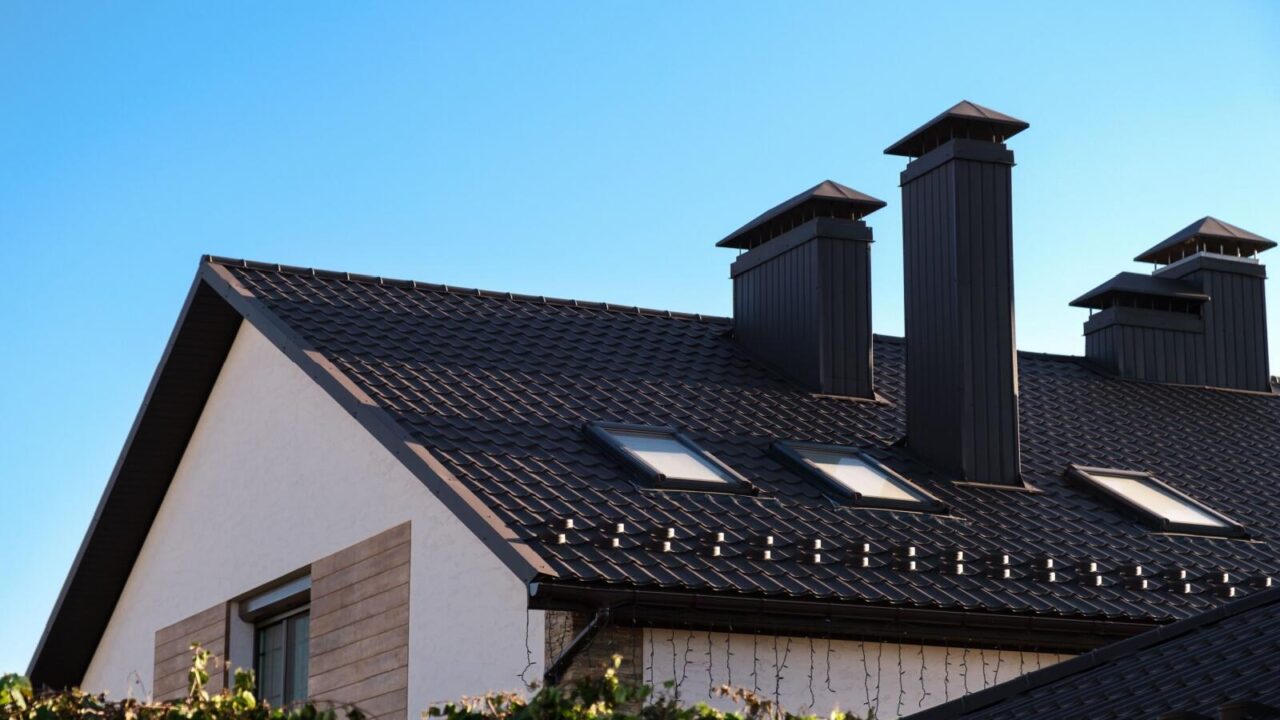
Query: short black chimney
x=1199, y=319
x=802, y=289
x=962, y=365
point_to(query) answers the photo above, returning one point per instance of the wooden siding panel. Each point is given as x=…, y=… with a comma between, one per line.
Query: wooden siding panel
x=359, y=648
x=173, y=652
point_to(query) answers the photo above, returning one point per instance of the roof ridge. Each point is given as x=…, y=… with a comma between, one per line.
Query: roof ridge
x=465, y=291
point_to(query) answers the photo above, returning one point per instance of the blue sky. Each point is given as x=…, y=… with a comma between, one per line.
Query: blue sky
x=588, y=150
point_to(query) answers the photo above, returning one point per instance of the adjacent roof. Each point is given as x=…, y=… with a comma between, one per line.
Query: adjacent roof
x=1226, y=657
x=826, y=199
x=1131, y=284
x=963, y=120
x=484, y=396
x=1219, y=236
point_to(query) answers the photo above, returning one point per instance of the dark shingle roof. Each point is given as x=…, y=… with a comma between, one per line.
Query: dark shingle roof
x=498, y=388
x=1227, y=657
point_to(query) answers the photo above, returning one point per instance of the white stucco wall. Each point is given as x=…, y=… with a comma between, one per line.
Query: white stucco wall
x=882, y=676
x=277, y=475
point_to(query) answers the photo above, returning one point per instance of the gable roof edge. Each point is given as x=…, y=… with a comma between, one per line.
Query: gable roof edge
x=465, y=504
x=218, y=326
x=172, y=405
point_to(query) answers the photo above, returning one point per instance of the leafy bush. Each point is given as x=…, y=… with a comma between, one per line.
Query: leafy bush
x=601, y=697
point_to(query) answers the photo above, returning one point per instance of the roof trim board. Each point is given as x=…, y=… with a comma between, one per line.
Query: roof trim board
x=783, y=616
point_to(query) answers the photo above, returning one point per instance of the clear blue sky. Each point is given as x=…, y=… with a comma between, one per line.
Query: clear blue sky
x=590, y=150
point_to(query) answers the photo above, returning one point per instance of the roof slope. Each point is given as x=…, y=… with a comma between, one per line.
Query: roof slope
x=499, y=388
x=1226, y=656
x=484, y=395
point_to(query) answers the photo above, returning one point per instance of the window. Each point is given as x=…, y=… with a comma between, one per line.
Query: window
x=281, y=621
x=1157, y=503
x=856, y=475
x=280, y=658
x=667, y=458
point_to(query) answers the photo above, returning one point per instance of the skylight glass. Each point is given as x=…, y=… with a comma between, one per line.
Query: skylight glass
x=669, y=457
x=858, y=477
x=1141, y=491
x=855, y=473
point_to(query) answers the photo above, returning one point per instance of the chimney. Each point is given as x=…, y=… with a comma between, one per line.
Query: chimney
x=962, y=365
x=802, y=289
x=1199, y=319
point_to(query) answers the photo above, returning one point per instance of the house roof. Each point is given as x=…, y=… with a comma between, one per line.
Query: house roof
x=1131, y=284
x=484, y=396
x=1202, y=667
x=1216, y=234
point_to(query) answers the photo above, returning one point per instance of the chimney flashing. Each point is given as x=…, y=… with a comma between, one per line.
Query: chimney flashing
x=822, y=227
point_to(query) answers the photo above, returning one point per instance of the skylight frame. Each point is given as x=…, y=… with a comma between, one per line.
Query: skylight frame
x=1081, y=474
x=602, y=433
x=789, y=452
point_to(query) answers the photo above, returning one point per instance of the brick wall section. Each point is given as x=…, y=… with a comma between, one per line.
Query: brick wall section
x=173, y=652
x=359, y=649
x=562, y=627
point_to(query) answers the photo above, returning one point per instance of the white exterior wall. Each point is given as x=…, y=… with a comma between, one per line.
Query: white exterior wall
x=276, y=476
x=882, y=676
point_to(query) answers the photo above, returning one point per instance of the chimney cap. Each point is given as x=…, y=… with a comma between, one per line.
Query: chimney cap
x=1228, y=238
x=826, y=199
x=1127, y=283
x=964, y=119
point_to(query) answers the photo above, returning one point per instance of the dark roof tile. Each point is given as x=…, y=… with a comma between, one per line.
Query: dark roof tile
x=499, y=387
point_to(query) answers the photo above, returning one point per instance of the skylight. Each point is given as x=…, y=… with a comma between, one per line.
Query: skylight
x=667, y=457
x=856, y=475
x=1158, y=503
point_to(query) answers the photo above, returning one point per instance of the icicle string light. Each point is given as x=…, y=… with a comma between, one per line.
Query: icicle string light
x=1134, y=577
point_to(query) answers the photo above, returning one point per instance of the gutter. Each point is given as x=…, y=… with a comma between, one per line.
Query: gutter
x=835, y=619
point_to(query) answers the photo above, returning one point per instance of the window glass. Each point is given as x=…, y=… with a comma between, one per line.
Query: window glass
x=669, y=456
x=296, y=659
x=270, y=663
x=281, y=659
x=855, y=473
x=1155, y=499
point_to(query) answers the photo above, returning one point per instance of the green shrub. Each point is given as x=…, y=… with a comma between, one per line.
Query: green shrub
x=602, y=697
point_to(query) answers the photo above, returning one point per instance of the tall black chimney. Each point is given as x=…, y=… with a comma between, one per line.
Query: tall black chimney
x=1199, y=319
x=802, y=289
x=962, y=365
